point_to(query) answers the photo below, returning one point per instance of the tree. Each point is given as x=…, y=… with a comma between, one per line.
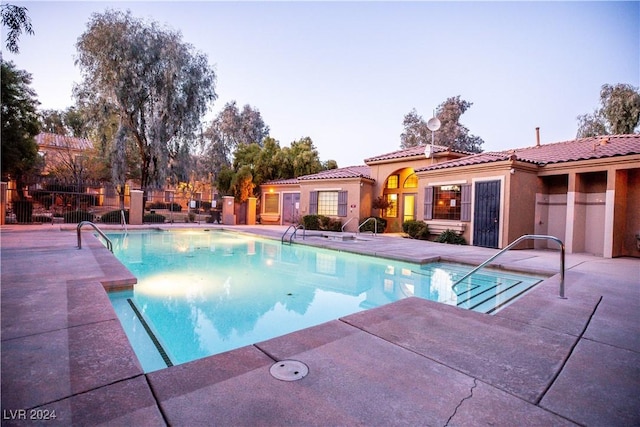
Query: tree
x=156, y=84
x=301, y=159
x=231, y=129
x=619, y=113
x=15, y=18
x=451, y=134
x=19, y=123
x=68, y=122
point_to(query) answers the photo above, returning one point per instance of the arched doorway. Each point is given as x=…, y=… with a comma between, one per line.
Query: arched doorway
x=400, y=191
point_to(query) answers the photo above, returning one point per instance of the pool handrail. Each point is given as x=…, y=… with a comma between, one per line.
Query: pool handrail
x=95, y=227
x=295, y=230
x=345, y=224
x=512, y=244
x=375, y=224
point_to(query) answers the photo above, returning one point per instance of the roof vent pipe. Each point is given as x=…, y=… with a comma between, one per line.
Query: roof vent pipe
x=537, y=137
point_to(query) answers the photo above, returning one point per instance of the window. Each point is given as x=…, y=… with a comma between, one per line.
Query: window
x=392, y=210
x=271, y=203
x=411, y=181
x=451, y=202
x=329, y=203
x=392, y=181
x=168, y=196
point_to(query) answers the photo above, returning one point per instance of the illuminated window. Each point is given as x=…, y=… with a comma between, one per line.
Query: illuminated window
x=392, y=181
x=328, y=203
x=392, y=210
x=447, y=202
x=411, y=181
x=271, y=203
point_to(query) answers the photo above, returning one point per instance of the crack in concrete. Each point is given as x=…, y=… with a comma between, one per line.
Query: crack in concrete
x=475, y=384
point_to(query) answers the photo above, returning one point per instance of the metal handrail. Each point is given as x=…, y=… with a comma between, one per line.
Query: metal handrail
x=375, y=224
x=345, y=224
x=512, y=244
x=95, y=227
x=123, y=220
x=296, y=228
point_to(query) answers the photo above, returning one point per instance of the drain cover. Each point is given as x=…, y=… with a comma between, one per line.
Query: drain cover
x=289, y=370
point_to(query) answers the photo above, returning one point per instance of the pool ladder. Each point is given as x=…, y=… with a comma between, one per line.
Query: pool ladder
x=95, y=227
x=295, y=227
x=512, y=244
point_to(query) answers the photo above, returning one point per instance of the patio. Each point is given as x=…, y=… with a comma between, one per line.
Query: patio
x=540, y=361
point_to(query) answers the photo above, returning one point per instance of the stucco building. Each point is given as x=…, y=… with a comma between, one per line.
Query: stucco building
x=585, y=192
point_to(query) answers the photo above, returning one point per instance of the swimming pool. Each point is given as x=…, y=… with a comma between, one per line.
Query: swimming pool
x=201, y=293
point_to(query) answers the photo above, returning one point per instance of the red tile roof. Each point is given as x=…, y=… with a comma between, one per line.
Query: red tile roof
x=281, y=181
x=417, y=151
x=580, y=149
x=361, y=171
x=45, y=139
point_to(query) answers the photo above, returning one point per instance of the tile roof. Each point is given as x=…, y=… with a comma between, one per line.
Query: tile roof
x=567, y=151
x=281, y=181
x=361, y=171
x=418, y=150
x=46, y=139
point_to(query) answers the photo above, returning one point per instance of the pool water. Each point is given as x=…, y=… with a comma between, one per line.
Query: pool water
x=201, y=293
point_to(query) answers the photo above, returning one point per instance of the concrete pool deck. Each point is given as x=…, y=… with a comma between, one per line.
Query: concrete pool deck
x=540, y=361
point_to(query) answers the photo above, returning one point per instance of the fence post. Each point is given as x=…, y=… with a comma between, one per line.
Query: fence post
x=3, y=202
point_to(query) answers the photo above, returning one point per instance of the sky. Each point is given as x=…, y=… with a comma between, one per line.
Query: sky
x=346, y=73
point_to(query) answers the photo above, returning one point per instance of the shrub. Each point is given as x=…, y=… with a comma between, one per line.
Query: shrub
x=311, y=222
x=321, y=222
x=451, y=237
x=330, y=224
x=416, y=229
x=114, y=217
x=75, y=217
x=174, y=207
x=371, y=225
x=154, y=218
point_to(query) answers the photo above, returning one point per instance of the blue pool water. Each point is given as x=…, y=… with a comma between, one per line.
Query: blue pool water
x=205, y=292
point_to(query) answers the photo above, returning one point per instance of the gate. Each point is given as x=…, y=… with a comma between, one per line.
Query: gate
x=486, y=218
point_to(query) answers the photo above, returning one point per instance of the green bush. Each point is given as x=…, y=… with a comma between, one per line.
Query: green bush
x=330, y=224
x=451, y=237
x=75, y=217
x=114, y=217
x=311, y=222
x=416, y=229
x=154, y=218
x=321, y=222
x=174, y=207
x=370, y=225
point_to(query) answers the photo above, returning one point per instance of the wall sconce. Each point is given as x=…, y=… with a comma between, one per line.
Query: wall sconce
x=512, y=171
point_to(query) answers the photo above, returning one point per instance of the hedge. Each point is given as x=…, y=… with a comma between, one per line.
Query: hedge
x=153, y=218
x=114, y=217
x=416, y=229
x=321, y=222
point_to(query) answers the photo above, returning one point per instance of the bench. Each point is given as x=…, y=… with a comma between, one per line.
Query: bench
x=269, y=217
x=437, y=227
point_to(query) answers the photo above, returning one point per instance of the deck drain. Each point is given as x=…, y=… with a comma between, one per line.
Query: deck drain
x=289, y=370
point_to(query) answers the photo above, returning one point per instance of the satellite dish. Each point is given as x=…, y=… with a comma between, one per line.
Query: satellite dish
x=433, y=124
